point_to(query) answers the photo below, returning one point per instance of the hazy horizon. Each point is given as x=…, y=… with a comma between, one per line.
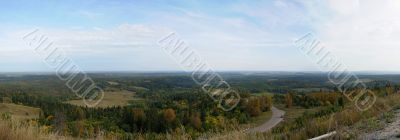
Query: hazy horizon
x=218, y=71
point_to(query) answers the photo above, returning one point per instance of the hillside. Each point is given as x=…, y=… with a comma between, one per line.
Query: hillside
x=20, y=111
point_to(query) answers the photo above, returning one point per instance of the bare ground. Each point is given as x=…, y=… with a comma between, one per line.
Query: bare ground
x=390, y=131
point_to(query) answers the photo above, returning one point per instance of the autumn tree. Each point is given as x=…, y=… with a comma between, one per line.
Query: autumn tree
x=253, y=106
x=195, y=121
x=139, y=117
x=169, y=115
x=289, y=100
x=266, y=103
x=389, y=89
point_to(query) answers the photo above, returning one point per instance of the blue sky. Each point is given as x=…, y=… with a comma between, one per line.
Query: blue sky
x=104, y=35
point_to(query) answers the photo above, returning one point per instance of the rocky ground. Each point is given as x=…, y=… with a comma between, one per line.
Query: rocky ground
x=389, y=131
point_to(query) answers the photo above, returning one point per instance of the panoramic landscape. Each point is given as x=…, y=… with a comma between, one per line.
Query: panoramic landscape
x=183, y=70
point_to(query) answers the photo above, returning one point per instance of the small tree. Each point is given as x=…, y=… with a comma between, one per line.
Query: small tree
x=254, y=107
x=139, y=117
x=268, y=100
x=169, y=115
x=289, y=100
x=389, y=89
x=195, y=121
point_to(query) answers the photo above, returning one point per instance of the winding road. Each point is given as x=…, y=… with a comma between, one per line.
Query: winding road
x=277, y=117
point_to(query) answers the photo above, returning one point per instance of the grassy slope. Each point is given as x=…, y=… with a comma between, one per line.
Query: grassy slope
x=20, y=111
x=295, y=111
x=264, y=117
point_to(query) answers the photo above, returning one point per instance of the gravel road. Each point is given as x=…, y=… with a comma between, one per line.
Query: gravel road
x=277, y=117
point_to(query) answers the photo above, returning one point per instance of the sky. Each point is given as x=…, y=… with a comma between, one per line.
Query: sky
x=230, y=35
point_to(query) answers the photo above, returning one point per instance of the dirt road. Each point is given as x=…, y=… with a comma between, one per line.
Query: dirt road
x=277, y=117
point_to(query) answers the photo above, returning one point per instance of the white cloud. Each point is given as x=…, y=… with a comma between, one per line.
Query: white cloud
x=92, y=49
x=244, y=35
x=102, y=40
x=364, y=34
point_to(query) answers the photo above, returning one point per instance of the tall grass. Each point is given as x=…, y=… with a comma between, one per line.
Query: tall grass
x=18, y=130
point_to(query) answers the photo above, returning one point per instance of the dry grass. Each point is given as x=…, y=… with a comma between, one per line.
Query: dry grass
x=19, y=111
x=17, y=130
x=120, y=98
x=361, y=123
x=257, y=121
x=296, y=111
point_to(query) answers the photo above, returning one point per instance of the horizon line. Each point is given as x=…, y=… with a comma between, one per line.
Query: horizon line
x=182, y=71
